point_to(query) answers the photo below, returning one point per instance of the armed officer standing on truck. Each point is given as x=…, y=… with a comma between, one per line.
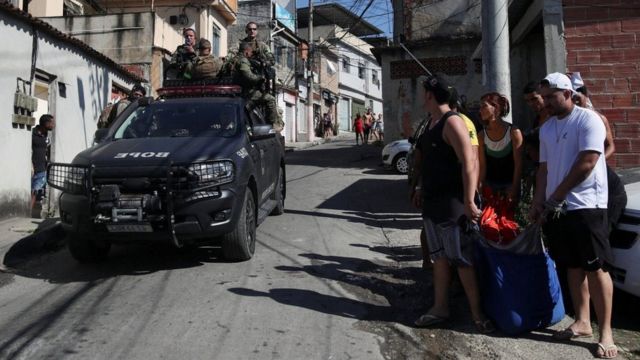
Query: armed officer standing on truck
x=183, y=59
x=251, y=84
x=262, y=59
x=206, y=66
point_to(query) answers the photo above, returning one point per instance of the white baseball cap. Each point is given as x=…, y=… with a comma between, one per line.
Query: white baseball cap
x=557, y=81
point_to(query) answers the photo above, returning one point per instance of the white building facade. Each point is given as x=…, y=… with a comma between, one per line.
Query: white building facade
x=69, y=80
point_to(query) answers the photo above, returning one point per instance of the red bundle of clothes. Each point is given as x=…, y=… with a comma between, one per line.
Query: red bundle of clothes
x=498, y=223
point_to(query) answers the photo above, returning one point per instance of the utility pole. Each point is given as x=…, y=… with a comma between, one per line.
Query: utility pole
x=495, y=48
x=310, y=128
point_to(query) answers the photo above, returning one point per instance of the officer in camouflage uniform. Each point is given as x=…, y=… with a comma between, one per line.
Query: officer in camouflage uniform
x=261, y=51
x=251, y=87
x=262, y=59
x=183, y=59
x=206, y=66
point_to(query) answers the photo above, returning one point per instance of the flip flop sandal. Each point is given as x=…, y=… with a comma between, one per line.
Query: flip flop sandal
x=427, y=320
x=569, y=334
x=604, y=350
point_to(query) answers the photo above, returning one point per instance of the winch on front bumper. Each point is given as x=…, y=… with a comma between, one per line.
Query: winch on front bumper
x=179, y=201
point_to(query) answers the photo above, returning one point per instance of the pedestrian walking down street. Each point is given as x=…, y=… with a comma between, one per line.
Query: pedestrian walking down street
x=572, y=185
x=358, y=127
x=368, y=123
x=40, y=146
x=449, y=176
x=379, y=128
x=500, y=149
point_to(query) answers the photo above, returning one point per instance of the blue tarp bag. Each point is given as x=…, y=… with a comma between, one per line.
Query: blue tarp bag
x=520, y=290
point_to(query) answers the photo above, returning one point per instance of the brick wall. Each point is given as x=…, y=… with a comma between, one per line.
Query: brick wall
x=603, y=44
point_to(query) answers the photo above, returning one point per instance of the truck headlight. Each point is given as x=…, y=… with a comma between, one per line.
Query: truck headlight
x=68, y=178
x=213, y=173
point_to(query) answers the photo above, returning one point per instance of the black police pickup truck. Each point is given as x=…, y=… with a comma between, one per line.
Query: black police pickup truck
x=193, y=165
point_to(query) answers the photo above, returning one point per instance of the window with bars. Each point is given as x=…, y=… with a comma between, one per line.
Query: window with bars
x=215, y=41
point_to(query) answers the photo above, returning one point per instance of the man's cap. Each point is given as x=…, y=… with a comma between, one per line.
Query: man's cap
x=204, y=44
x=557, y=81
x=437, y=85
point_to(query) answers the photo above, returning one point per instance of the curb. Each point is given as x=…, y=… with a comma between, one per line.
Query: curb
x=47, y=239
x=295, y=146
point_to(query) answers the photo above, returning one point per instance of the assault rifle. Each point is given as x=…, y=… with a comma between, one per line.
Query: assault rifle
x=268, y=72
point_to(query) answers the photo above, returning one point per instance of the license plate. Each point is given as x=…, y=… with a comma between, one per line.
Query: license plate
x=129, y=228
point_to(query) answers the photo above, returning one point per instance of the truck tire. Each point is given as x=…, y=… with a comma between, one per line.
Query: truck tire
x=400, y=163
x=279, y=194
x=240, y=244
x=88, y=248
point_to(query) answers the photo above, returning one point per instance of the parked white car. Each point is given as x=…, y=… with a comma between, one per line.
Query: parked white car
x=394, y=155
x=625, y=245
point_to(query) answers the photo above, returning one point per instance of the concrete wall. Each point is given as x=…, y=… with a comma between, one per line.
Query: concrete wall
x=258, y=11
x=527, y=64
x=88, y=87
x=422, y=19
x=403, y=91
x=125, y=38
x=603, y=44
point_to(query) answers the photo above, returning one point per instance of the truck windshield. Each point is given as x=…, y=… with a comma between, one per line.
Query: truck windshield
x=180, y=119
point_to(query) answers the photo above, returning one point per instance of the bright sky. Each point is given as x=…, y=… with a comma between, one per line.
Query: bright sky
x=380, y=13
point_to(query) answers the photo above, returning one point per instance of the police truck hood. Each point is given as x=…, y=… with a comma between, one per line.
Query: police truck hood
x=158, y=151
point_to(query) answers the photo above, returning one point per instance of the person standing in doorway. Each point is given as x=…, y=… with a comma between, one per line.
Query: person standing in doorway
x=327, y=124
x=40, y=146
x=571, y=184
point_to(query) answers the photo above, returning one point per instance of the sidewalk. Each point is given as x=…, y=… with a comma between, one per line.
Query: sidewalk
x=21, y=237
x=295, y=146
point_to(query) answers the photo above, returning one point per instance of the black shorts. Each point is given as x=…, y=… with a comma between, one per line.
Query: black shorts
x=579, y=239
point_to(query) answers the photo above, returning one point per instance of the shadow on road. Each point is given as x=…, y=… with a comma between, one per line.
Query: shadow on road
x=396, y=253
x=130, y=259
x=400, y=222
x=373, y=195
x=340, y=154
x=386, y=292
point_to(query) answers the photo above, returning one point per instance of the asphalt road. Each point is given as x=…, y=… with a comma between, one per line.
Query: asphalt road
x=336, y=277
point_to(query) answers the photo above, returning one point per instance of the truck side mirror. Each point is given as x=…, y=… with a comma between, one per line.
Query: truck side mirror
x=262, y=131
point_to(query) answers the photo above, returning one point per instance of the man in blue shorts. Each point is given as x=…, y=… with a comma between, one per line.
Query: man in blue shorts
x=40, y=155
